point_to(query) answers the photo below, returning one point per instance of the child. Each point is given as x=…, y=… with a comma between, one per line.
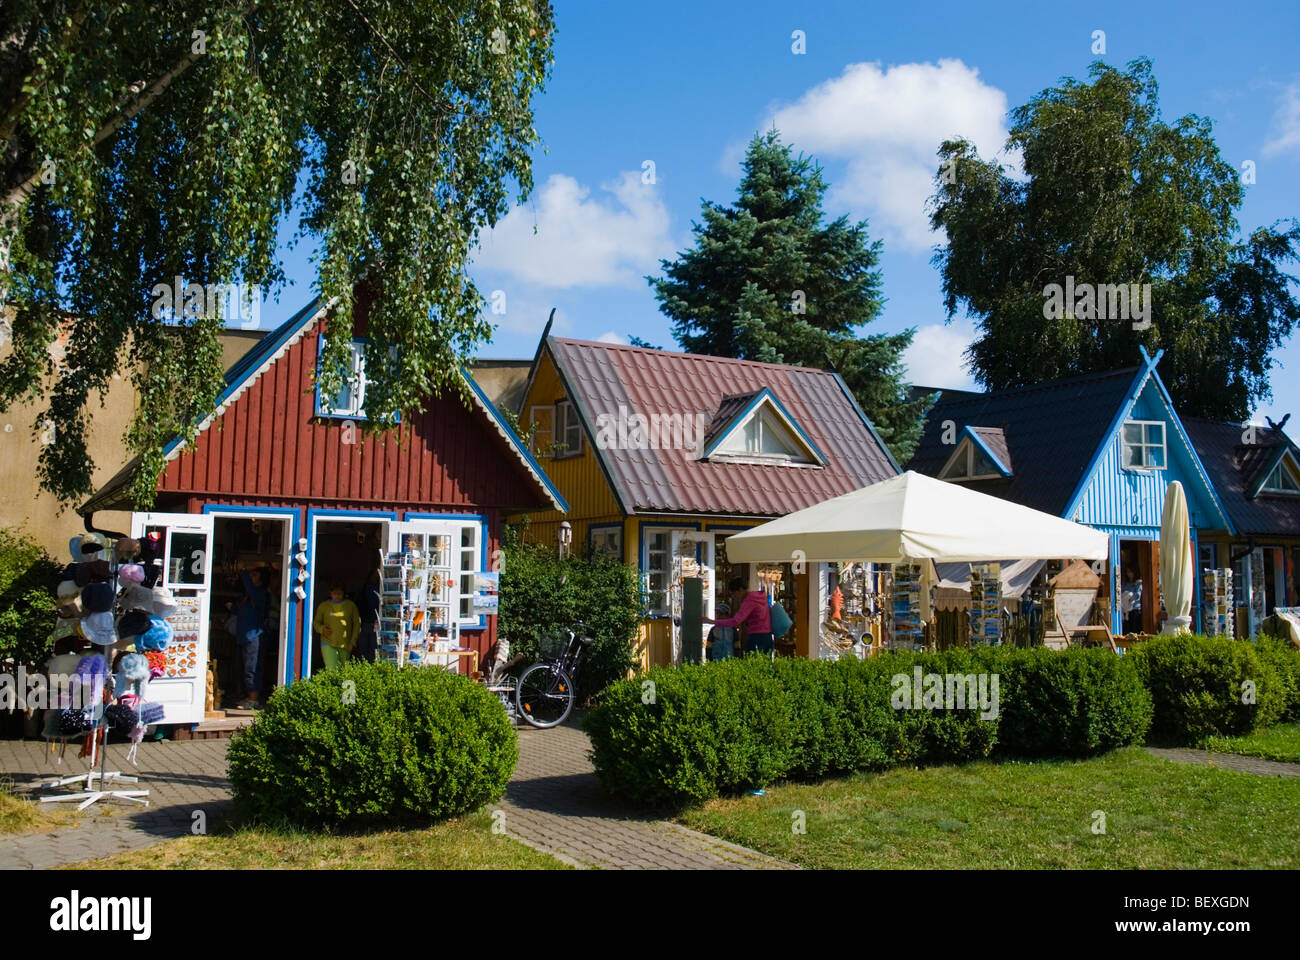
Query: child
x=339, y=623
x=722, y=640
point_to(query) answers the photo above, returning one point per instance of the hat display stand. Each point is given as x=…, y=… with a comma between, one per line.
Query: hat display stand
x=90, y=795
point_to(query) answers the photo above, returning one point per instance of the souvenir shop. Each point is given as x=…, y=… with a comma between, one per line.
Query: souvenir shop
x=284, y=501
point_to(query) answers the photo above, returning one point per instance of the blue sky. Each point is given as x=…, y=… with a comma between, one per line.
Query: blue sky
x=684, y=85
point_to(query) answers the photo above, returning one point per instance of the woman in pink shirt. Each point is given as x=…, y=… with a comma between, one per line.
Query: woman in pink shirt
x=753, y=612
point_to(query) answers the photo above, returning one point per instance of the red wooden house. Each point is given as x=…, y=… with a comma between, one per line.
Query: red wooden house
x=284, y=480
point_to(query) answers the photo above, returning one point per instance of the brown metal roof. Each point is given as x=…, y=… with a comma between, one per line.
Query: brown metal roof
x=602, y=378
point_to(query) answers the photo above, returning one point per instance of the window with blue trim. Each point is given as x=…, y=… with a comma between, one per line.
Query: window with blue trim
x=351, y=399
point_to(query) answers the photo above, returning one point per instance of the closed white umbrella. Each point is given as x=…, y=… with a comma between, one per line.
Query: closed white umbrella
x=1176, y=567
x=915, y=517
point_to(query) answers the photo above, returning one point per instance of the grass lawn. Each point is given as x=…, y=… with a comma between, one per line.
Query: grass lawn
x=1276, y=743
x=20, y=815
x=464, y=844
x=1159, y=814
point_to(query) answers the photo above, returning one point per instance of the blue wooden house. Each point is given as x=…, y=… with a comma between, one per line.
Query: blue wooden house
x=1099, y=449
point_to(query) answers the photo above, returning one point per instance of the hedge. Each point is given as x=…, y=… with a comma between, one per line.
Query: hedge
x=1199, y=686
x=372, y=743
x=679, y=735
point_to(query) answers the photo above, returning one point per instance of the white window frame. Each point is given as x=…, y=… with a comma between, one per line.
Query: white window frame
x=606, y=541
x=453, y=528
x=965, y=454
x=567, y=422
x=1281, y=470
x=325, y=407
x=736, y=448
x=1126, y=445
x=656, y=609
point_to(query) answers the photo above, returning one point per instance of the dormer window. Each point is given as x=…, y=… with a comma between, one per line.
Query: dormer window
x=975, y=457
x=1282, y=479
x=756, y=428
x=1144, y=445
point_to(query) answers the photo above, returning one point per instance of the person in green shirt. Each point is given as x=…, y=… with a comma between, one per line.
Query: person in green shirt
x=339, y=623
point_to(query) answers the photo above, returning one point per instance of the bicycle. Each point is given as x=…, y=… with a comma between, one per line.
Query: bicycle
x=545, y=692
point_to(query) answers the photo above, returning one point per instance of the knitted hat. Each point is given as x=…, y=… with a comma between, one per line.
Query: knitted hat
x=74, y=720
x=152, y=713
x=120, y=717
x=133, y=666
x=130, y=573
x=126, y=548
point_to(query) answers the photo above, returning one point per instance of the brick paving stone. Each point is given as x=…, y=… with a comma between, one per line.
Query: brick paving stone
x=1228, y=761
x=554, y=804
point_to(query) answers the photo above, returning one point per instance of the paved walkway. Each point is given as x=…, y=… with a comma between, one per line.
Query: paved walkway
x=1227, y=761
x=553, y=804
x=182, y=779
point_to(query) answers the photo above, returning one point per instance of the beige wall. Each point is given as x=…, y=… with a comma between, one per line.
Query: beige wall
x=24, y=504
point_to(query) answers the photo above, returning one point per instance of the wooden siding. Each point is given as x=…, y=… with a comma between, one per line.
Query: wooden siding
x=269, y=445
x=1133, y=500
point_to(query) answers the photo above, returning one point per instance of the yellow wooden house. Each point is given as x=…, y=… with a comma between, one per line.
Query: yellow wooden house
x=663, y=455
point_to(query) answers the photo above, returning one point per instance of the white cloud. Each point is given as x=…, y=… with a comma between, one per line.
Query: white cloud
x=936, y=357
x=1286, y=122
x=612, y=336
x=613, y=239
x=887, y=124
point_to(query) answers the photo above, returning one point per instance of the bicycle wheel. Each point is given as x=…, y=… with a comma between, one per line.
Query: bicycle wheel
x=544, y=695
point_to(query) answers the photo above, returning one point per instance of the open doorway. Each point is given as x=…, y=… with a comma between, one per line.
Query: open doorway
x=249, y=590
x=1138, y=593
x=346, y=553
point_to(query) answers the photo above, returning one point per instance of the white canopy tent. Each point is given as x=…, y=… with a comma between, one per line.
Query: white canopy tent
x=915, y=517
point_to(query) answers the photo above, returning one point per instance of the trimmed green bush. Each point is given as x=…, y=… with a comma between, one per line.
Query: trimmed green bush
x=372, y=743
x=1074, y=702
x=1285, y=660
x=683, y=735
x=1198, y=684
x=676, y=736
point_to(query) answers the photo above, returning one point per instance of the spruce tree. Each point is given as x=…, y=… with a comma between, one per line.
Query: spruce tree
x=769, y=280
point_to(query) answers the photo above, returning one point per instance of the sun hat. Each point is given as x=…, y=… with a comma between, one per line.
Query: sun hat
x=92, y=543
x=136, y=597
x=64, y=627
x=126, y=548
x=99, y=628
x=164, y=604
x=68, y=589
x=157, y=637
x=130, y=573
x=97, y=597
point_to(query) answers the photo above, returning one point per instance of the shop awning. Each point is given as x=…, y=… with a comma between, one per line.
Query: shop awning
x=915, y=517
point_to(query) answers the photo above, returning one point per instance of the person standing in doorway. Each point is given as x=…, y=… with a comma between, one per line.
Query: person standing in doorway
x=754, y=612
x=338, y=622
x=368, y=644
x=1130, y=602
x=250, y=622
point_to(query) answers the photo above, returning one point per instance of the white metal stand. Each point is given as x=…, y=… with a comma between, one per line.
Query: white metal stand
x=90, y=795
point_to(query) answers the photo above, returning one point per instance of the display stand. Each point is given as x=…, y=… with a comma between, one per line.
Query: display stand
x=908, y=628
x=90, y=795
x=986, y=604
x=1217, y=614
x=417, y=623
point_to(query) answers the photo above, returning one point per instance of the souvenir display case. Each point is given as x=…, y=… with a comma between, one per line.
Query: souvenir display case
x=1217, y=615
x=986, y=604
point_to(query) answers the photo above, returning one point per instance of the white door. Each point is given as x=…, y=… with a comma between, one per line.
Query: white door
x=184, y=551
x=692, y=556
